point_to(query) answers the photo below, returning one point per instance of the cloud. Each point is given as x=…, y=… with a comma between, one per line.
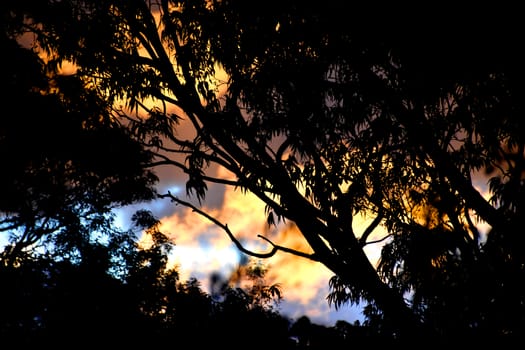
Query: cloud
x=202, y=248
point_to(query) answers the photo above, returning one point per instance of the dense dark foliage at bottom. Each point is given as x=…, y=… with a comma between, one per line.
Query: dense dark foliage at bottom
x=65, y=305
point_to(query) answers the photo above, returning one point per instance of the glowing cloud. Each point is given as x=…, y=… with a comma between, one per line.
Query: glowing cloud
x=202, y=248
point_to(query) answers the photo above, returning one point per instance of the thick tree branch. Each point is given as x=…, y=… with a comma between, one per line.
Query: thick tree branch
x=420, y=132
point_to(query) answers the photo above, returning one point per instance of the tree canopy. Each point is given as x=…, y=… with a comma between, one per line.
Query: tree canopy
x=325, y=114
x=67, y=160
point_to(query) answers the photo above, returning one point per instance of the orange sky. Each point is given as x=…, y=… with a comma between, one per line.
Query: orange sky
x=202, y=248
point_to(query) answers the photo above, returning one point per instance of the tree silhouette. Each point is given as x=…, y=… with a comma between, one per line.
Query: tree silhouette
x=68, y=162
x=77, y=294
x=68, y=275
x=323, y=120
x=123, y=294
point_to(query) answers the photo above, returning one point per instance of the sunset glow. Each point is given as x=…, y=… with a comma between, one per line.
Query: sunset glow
x=202, y=248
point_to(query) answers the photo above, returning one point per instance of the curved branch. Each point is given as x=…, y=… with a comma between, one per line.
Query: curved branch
x=290, y=251
x=378, y=240
x=238, y=244
x=371, y=228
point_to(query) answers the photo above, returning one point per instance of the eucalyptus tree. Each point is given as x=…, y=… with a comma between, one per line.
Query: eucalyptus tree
x=327, y=113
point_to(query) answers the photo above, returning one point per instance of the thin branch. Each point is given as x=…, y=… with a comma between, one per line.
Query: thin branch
x=474, y=230
x=378, y=240
x=238, y=244
x=291, y=251
x=184, y=168
x=371, y=228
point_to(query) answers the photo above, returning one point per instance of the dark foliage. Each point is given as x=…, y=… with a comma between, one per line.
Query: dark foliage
x=118, y=294
x=326, y=113
x=67, y=160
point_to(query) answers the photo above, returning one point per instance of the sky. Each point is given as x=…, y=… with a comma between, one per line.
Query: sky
x=203, y=248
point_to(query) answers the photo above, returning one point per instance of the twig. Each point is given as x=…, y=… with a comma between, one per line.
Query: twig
x=238, y=244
